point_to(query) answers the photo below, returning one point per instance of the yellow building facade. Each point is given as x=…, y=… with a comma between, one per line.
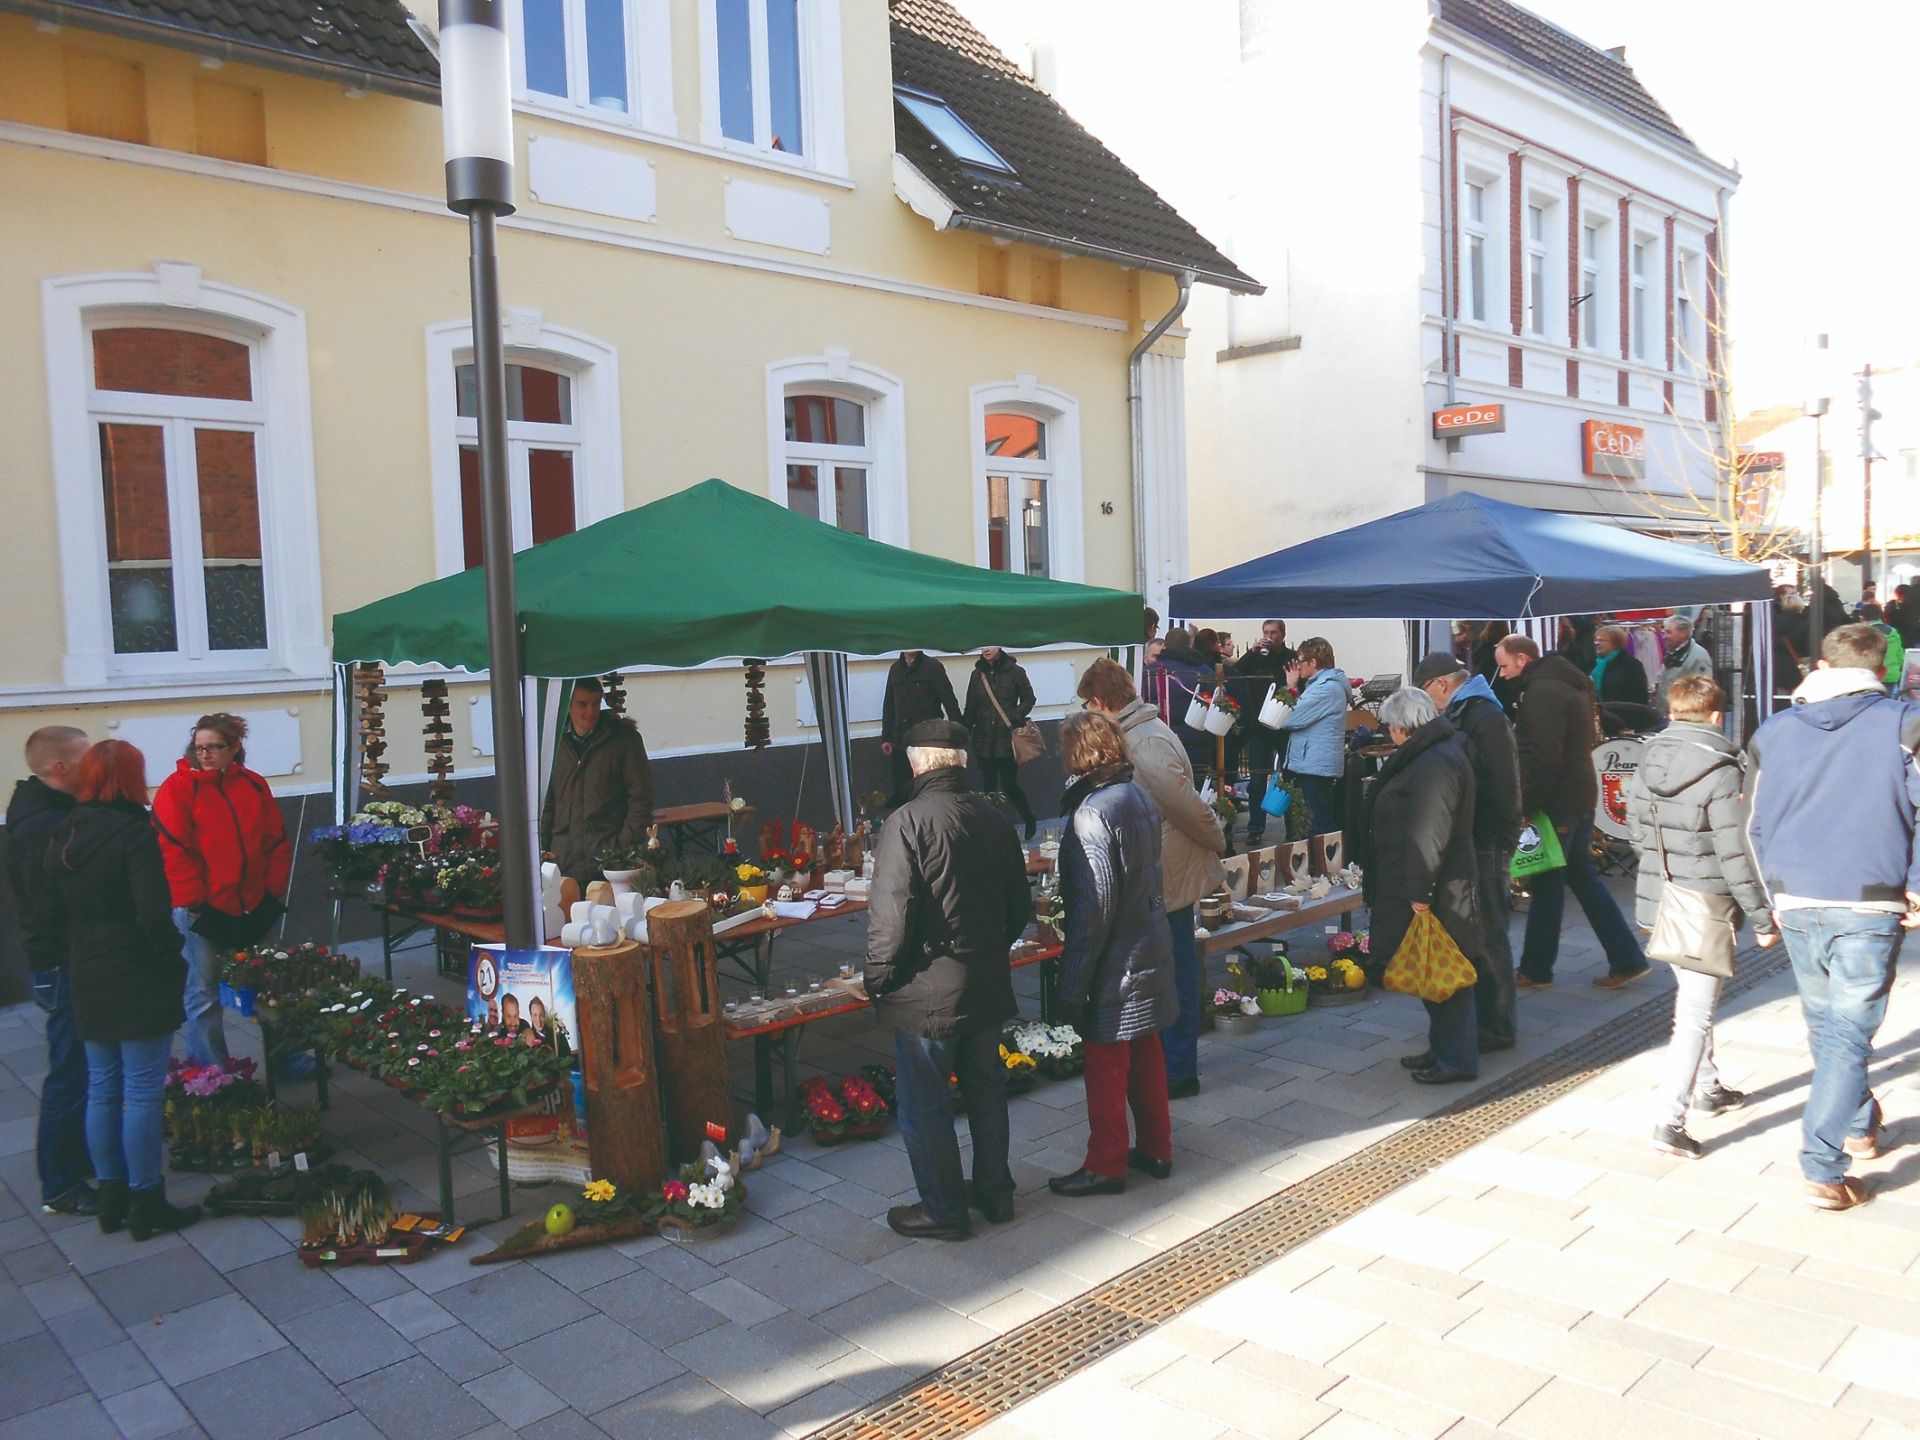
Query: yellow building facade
x=240, y=311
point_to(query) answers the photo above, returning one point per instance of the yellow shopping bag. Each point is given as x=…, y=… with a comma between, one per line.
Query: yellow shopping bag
x=1428, y=963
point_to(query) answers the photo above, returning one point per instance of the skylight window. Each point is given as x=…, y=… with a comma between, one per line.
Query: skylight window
x=953, y=133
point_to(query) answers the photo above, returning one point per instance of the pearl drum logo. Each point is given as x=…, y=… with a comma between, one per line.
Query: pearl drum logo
x=1615, y=764
x=1457, y=420
x=1619, y=451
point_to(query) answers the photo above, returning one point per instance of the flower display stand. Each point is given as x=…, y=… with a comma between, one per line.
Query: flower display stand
x=691, y=1041
x=618, y=1066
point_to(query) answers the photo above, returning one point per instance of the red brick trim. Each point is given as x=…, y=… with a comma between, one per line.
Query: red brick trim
x=1573, y=379
x=1666, y=390
x=1516, y=367
x=1625, y=227
x=1573, y=282
x=1578, y=163
x=1516, y=210
x=1451, y=178
x=1621, y=399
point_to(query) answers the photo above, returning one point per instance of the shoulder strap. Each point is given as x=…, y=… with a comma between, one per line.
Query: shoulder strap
x=986, y=684
x=1659, y=841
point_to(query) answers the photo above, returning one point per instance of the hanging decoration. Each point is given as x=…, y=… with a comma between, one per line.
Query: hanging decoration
x=759, y=733
x=439, y=733
x=613, y=691
x=369, y=683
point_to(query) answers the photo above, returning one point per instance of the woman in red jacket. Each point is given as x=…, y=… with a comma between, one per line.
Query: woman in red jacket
x=228, y=864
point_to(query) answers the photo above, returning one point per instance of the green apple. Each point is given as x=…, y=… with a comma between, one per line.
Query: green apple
x=560, y=1220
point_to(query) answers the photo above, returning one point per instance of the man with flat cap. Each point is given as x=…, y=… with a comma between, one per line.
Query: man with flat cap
x=949, y=899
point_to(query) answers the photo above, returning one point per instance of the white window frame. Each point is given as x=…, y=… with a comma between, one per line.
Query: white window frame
x=649, y=45
x=835, y=372
x=1066, y=502
x=1538, y=276
x=825, y=459
x=1640, y=272
x=1477, y=236
x=822, y=87
x=177, y=295
x=593, y=367
x=1689, y=354
x=1596, y=324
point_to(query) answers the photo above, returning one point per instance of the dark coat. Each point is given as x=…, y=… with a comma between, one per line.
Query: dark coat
x=35, y=813
x=126, y=969
x=1187, y=672
x=992, y=740
x=1496, y=766
x=1418, y=840
x=1624, y=681
x=1116, y=963
x=600, y=797
x=1555, y=733
x=949, y=898
x=1249, y=678
x=915, y=692
x=1690, y=785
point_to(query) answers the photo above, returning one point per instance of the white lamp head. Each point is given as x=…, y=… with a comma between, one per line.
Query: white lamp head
x=476, y=105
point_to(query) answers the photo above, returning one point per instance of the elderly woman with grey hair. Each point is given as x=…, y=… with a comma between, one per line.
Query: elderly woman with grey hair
x=1415, y=843
x=1618, y=676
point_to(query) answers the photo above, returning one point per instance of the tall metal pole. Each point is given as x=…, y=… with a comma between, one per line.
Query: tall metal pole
x=1817, y=606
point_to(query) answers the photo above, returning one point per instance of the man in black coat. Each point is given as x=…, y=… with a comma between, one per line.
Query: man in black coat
x=1554, y=732
x=1469, y=703
x=917, y=689
x=1263, y=666
x=40, y=803
x=949, y=899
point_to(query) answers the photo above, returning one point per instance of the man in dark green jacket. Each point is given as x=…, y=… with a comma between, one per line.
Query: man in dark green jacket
x=601, y=794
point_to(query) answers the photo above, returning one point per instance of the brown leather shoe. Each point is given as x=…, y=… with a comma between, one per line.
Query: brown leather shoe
x=1867, y=1146
x=1527, y=982
x=1613, y=980
x=1847, y=1194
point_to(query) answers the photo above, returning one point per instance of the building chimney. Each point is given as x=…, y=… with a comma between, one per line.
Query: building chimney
x=1618, y=52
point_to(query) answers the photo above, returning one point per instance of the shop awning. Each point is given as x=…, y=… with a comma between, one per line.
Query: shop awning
x=1470, y=558
x=715, y=572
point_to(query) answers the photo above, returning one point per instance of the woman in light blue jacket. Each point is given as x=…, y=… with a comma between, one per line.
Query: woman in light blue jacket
x=1317, y=751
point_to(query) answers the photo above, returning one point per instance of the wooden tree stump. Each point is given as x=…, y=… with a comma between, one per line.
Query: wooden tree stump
x=686, y=1017
x=618, y=1063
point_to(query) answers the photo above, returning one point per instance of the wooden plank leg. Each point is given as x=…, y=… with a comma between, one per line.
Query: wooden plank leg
x=444, y=1145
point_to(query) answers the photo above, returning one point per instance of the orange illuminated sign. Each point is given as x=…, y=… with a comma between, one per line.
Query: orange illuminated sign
x=1454, y=421
x=1607, y=448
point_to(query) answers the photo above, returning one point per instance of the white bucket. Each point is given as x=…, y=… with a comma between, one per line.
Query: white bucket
x=1274, y=712
x=1197, y=710
x=1218, y=720
x=621, y=881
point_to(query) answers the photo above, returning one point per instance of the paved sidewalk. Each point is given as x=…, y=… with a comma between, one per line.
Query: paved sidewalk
x=1562, y=1281
x=813, y=1307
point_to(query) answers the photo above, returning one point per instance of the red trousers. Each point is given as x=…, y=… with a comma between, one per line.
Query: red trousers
x=1122, y=1075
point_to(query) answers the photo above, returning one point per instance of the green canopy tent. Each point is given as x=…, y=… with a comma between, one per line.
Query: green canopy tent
x=714, y=572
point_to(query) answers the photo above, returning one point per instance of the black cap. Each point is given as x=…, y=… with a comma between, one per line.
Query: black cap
x=1437, y=666
x=938, y=735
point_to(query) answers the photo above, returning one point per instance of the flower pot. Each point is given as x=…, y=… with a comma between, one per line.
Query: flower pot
x=757, y=894
x=1197, y=711
x=621, y=881
x=1233, y=1022
x=685, y=1232
x=1275, y=710
x=1220, y=720
x=1339, y=996
x=1282, y=1002
x=241, y=999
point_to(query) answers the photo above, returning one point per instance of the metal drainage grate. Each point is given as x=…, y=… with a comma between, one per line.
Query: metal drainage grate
x=987, y=1382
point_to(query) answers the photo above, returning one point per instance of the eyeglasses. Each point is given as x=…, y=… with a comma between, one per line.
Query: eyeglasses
x=211, y=749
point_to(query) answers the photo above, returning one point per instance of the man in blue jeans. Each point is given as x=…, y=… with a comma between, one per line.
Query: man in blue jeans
x=1553, y=733
x=949, y=899
x=1832, y=821
x=39, y=803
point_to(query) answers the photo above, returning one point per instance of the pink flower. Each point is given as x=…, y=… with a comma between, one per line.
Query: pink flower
x=464, y=1045
x=413, y=1060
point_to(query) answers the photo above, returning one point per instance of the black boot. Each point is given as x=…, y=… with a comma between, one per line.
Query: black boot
x=113, y=1205
x=150, y=1214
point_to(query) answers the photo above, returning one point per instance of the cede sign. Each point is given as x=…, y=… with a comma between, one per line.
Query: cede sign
x=1607, y=448
x=1453, y=421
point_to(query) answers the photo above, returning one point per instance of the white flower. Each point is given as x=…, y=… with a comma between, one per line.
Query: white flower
x=1249, y=1005
x=705, y=1197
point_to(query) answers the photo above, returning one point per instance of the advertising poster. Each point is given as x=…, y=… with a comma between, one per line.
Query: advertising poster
x=529, y=994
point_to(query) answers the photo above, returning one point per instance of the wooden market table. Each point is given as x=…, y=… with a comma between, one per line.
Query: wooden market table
x=705, y=820
x=1338, y=906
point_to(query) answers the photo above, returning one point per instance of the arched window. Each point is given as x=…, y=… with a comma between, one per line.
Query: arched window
x=828, y=460
x=543, y=480
x=1026, y=473
x=1018, y=493
x=836, y=444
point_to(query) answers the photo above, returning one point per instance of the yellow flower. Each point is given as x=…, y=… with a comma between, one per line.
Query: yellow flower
x=1316, y=972
x=1017, y=1061
x=599, y=1191
x=749, y=874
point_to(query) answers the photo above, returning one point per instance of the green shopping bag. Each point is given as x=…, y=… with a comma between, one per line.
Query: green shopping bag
x=1539, y=849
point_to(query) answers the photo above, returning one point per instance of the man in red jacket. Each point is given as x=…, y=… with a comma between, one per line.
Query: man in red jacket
x=226, y=851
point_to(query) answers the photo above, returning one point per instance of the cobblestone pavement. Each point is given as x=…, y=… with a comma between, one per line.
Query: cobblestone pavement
x=1564, y=1252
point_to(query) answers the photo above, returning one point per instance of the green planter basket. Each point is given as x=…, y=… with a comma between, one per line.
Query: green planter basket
x=1290, y=1001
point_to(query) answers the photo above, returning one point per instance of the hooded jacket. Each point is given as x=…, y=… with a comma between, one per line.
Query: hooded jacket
x=992, y=739
x=1554, y=731
x=1318, y=725
x=1477, y=714
x=1191, y=840
x=949, y=898
x=915, y=692
x=1689, y=659
x=223, y=838
x=1416, y=840
x=600, y=796
x=1116, y=962
x=34, y=813
x=125, y=963
x=1834, y=794
x=1687, y=798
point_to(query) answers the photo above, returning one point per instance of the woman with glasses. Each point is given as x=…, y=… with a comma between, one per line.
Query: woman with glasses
x=228, y=864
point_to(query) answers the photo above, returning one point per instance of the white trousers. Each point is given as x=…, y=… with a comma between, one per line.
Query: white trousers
x=1689, y=1068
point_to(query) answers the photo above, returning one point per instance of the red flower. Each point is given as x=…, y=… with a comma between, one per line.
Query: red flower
x=673, y=1192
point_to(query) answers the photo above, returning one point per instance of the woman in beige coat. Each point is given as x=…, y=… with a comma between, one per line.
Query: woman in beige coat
x=1191, y=844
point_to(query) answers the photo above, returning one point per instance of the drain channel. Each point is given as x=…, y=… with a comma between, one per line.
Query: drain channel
x=992, y=1379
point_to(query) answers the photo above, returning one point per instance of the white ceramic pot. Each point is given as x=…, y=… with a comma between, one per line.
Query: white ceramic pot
x=621, y=881
x=1197, y=712
x=1274, y=712
x=1219, y=720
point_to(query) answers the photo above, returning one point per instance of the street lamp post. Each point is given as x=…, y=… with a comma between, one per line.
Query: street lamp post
x=476, y=105
x=1817, y=407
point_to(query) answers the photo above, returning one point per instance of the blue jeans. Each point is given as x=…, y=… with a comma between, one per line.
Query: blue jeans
x=62, y=1149
x=126, y=1093
x=925, y=1104
x=1317, y=791
x=1843, y=962
x=1180, y=1041
x=1549, y=891
x=206, y=1034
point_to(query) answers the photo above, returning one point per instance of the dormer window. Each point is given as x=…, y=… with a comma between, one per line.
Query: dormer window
x=954, y=135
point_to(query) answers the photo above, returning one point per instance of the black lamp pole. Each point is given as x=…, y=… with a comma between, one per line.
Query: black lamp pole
x=477, y=111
